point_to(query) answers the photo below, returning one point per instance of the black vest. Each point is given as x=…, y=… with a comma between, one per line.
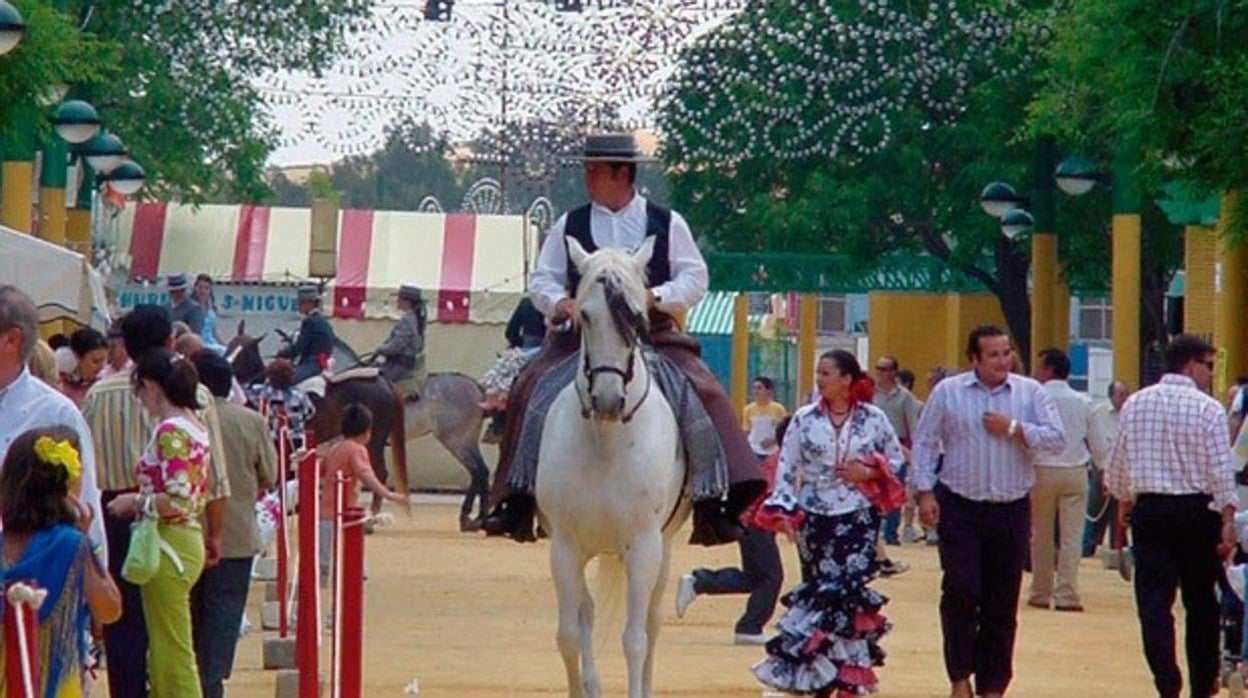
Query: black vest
x=658, y=225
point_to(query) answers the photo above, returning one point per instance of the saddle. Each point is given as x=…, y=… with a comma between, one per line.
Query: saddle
x=314, y=386
x=365, y=372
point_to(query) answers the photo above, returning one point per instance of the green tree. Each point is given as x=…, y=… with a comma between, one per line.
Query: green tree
x=52, y=53
x=1170, y=77
x=868, y=129
x=413, y=164
x=184, y=100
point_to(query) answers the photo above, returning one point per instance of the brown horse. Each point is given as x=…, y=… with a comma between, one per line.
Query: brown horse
x=449, y=408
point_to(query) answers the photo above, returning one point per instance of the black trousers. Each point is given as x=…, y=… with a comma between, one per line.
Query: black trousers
x=1175, y=542
x=1102, y=513
x=761, y=576
x=218, y=600
x=125, y=641
x=983, y=547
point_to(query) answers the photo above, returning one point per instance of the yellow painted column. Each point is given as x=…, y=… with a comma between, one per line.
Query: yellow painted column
x=78, y=231
x=1232, y=330
x=15, y=206
x=53, y=217
x=1043, y=291
x=740, y=350
x=1200, y=258
x=1061, y=314
x=1126, y=298
x=806, y=346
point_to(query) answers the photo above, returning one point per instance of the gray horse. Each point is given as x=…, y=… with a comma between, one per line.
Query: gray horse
x=449, y=408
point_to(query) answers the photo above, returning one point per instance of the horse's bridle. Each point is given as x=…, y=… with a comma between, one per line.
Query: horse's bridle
x=626, y=375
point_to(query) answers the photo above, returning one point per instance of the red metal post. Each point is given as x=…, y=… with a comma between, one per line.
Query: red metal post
x=308, y=627
x=21, y=674
x=283, y=541
x=351, y=608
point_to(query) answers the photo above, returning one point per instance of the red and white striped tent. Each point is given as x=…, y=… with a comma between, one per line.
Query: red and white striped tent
x=470, y=268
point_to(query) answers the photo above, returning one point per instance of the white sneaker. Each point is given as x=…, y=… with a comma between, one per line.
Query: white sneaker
x=909, y=535
x=685, y=594
x=747, y=639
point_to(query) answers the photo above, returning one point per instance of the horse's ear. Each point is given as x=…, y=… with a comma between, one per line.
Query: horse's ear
x=577, y=254
x=242, y=327
x=643, y=254
x=259, y=339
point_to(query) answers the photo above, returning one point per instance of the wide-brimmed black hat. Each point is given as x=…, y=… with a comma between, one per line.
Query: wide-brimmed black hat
x=612, y=147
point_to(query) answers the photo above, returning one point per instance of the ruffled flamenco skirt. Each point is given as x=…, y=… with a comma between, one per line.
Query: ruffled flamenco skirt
x=827, y=642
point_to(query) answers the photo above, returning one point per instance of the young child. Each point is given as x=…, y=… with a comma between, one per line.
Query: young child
x=45, y=540
x=348, y=457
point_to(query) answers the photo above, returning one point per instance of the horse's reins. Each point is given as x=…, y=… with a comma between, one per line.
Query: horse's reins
x=626, y=330
x=626, y=375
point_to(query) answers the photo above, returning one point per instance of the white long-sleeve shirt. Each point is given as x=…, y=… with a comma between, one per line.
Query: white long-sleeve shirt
x=623, y=229
x=1087, y=435
x=29, y=403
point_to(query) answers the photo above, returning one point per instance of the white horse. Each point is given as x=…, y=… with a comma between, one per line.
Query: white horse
x=611, y=473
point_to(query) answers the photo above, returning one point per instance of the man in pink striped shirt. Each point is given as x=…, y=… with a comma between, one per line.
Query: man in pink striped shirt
x=1173, y=471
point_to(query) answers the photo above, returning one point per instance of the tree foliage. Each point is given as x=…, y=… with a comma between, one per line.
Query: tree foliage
x=52, y=53
x=924, y=143
x=183, y=99
x=1170, y=78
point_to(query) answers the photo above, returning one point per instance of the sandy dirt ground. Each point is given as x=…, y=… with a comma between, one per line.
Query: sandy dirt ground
x=467, y=616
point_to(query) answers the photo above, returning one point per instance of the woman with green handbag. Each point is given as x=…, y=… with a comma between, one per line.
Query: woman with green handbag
x=172, y=478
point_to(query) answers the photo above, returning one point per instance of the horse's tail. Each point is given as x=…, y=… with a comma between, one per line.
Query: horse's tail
x=610, y=600
x=398, y=447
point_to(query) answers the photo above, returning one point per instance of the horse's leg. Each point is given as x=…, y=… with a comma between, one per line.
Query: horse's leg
x=644, y=561
x=567, y=566
x=654, y=620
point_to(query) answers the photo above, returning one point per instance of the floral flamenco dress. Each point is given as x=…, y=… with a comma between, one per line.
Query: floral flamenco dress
x=175, y=464
x=827, y=642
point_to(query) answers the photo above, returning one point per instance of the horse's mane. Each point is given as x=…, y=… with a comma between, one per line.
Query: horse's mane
x=623, y=287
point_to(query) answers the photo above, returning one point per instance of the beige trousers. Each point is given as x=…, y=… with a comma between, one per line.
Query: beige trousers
x=1061, y=496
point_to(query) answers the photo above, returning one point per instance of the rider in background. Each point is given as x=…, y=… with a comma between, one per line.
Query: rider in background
x=525, y=331
x=527, y=327
x=404, y=350
x=315, y=344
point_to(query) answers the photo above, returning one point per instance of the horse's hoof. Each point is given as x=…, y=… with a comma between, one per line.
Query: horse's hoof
x=467, y=524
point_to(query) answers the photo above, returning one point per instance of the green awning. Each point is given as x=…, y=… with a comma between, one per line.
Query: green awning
x=713, y=315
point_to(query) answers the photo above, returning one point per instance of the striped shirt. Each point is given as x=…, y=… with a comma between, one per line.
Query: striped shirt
x=978, y=465
x=122, y=429
x=1172, y=439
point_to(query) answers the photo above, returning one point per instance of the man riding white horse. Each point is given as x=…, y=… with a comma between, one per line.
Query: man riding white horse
x=404, y=349
x=724, y=474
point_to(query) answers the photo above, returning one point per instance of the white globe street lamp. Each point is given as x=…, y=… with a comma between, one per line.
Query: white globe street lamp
x=127, y=178
x=76, y=121
x=12, y=28
x=1015, y=223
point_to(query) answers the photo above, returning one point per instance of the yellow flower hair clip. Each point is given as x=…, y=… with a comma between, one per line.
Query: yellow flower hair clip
x=60, y=453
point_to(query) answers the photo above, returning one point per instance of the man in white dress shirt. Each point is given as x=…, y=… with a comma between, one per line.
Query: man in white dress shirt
x=1060, y=495
x=619, y=217
x=27, y=403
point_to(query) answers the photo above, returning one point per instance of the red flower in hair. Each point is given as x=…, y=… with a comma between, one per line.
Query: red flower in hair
x=862, y=390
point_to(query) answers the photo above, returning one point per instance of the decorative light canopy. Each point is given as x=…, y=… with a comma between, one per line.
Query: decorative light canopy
x=12, y=28
x=811, y=79
x=1015, y=223
x=513, y=69
x=1076, y=176
x=76, y=121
